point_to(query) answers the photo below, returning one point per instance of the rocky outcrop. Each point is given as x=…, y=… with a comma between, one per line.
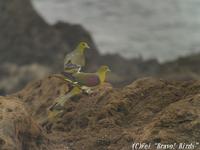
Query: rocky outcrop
x=184, y=68
x=148, y=110
x=24, y=34
x=41, y=99
x=14, y=77
x=18, y=130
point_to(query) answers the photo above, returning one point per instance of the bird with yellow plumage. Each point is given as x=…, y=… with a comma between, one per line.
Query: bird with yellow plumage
x=76, y=59
x=89, y=79
x=84, y=81
x=80, y=81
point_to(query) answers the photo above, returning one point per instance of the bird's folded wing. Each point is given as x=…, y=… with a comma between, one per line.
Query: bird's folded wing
x=68, y=76
x=70, y=66
x=87, y=79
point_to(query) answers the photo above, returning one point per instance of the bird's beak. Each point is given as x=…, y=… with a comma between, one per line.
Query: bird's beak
x=87, y=46
x=109, y=70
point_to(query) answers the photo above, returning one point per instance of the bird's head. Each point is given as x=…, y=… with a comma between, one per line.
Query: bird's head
x=104, y=69
x=102, y=73
x=82, y=46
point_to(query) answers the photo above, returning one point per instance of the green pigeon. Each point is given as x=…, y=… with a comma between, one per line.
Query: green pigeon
x=79, y=80
x=76, y=59
x=88, y=79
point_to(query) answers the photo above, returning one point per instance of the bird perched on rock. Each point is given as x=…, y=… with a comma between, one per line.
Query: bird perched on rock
x=76, y=59
x=84, y=81
x=89, y=79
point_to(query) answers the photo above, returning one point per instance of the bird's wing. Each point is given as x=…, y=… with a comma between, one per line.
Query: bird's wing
x=68, y=76
x=76, y=58
x=73, y=62
x=70, y=66
x=68, y=57
x=87, y=79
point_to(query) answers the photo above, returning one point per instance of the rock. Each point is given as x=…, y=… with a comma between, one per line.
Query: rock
x=24, y=34
x=148, y=110
x=14, y=77
x=41, y=94
x=184, y=68
x=175, y=124
x=18, y=130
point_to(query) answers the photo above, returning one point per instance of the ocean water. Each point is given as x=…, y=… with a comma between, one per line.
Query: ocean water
x=162, y=29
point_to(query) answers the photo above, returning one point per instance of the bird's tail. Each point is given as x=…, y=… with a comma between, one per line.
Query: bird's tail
x=60, y=101
x=58, y=107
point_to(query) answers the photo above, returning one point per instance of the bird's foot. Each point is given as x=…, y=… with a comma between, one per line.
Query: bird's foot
x=87, y=90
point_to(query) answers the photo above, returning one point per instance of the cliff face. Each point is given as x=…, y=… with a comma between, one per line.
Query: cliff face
x=23, y=33
x=148, y=110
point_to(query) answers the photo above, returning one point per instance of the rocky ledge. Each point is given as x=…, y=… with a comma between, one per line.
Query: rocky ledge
x=148, y=110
